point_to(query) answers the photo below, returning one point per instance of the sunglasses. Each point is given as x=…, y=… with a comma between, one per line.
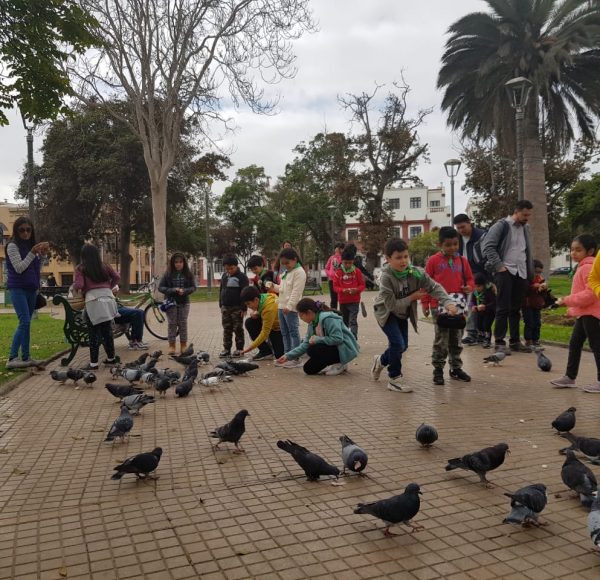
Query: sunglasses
x=24, y=230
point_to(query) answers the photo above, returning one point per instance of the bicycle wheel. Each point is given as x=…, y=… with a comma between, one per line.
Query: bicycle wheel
x=155, y=320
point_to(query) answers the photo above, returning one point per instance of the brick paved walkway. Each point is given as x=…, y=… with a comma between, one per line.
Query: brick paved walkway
x=252, y=516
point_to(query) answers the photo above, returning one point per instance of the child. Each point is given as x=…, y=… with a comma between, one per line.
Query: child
x=400, y=286
x=265, y=333
x=348, y=285
x=177, y=284
x=483, y=305
x=453, y=273
x=256, y=264
x=96, y=280
x=232, y=308
x=293, y=280
x=533, y=303
x=585, y=306
x=328, y=342
x=333, y=263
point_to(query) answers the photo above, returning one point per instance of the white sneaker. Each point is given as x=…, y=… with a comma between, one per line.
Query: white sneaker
x=396, y=385
x=337, y=369
x=376, y=367
x=292, y=364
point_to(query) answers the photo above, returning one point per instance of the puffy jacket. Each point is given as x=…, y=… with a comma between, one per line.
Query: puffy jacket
x=594, y=277
x=344, y=281
x=582, y=301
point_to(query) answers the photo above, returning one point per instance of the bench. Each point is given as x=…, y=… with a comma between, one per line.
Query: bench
x=312, y=286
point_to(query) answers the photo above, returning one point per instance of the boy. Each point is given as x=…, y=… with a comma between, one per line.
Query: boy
x=483, y=306
x=453, y=273
x=232, y=308
x=349, y=284
x=400, y=286
x=534, y=301
x=256, y=265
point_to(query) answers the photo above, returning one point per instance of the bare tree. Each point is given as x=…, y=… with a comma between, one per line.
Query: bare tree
x=179, y=59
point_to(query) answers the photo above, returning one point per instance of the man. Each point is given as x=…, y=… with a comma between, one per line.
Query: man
x=469, y=235
x=507, y=249
x=135, y=318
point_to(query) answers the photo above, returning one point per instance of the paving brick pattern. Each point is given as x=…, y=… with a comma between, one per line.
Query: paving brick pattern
x=216, y=515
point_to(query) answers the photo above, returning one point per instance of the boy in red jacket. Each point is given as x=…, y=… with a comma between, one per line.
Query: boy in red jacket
x=349, y=284
x=452, y=271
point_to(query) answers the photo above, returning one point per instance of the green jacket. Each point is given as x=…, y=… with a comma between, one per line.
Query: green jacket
x=335, y=333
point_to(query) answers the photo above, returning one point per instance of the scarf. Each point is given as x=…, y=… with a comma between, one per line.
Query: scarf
x=409, y=271
x=349, y=270
x=261, y=302
x=315, y=324
x=288, y=271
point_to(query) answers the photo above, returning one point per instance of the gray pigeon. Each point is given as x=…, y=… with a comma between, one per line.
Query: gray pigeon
x=399, y=509
x=203, y=357
x=184, y=388
x=313, y=465
x=142, y=465
x=75, y=375
x=163, y=385
x=131, y=375
x=354, y=458
x=481, y=462
x=565, y=421
x=589, y=446
x=121, y=391
x=526, y=503
x=232, y=432
x=89, y=378
x=426, y=435
x=189, y=351
x=148, y=378
x=594, y=520
x=140, y=360
x=156, y=354
x=580, y=478
x=60, y=376
x=496, y=358
x=219, y=373
x=122, y=425
x=136, y=402
x=543, y=362
x=148, y=365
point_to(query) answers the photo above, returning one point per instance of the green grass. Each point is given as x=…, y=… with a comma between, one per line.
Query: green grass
x=47, y=338
x=560, y=285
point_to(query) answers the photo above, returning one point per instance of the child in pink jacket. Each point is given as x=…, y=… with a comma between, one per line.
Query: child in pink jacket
x=585, y=306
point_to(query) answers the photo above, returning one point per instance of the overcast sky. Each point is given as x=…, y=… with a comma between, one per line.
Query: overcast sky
x=359, y=43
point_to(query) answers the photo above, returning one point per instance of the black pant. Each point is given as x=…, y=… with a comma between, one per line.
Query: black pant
x=333, y=295
x=273, y=345
x=101, y=333
x=511, y=291
x=532, y=317
x=320, y=356
x=585, y=327
x=484, y=321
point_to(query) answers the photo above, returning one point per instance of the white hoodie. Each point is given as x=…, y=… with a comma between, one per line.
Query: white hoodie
x=291, y=288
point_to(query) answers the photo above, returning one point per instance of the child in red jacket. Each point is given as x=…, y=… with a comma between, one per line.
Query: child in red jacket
x=349, y=284
x=452, y=271
x=534, y=301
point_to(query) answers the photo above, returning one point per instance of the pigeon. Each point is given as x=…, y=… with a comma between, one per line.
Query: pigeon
x=426, y=435
x=60, y=376
x=136, y=402
x=211, y=381
x=168, y=373
x=594, y=521
x=496, y=358
x=232, y=432
x=399, y=509
x=142, y=465
x=140, y=360
x=131, y=375
x=115, y=371
x=221, y=374
x=163, y=385
x=148, y=365
x=189, y=351
x=89, y=378
x=148, y=378
x=184, y=388
x=313, y=465
x=526, y=503
x=75, y=375
x=241, y=368
x=589, y=446
x=203, y=357
x=156, y=354
x=122, y=425
x=122, y=391
x=184, y=360
x=543, y=362
x=191, y=371
x=224, y=365
x=580, y=478
x=565, y=421
x=354, y=458
x=481, y=462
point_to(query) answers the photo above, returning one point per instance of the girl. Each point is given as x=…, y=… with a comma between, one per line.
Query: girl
x=586, y=307
x=333, y=263
x=177, y=284
x=328, y=342
x=23, y=269
x=293, y=280
x=96, y=280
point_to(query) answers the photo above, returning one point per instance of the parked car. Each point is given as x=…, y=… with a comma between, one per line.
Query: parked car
x=562, y=271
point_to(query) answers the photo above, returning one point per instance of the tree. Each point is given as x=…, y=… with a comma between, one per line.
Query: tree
x=582, y=208
x=553, y=43
x=389, y=151
x=177, y=60
x=37, y=37
x=423, y=246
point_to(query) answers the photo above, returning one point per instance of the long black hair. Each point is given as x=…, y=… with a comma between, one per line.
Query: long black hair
x=91, y=265
x=186, y=269
x=16, y=238
x=308, y=304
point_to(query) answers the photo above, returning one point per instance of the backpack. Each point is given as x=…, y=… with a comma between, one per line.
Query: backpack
x=478, y=257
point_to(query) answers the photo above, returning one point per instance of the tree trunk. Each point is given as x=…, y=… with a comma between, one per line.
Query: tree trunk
x=125, y=267
x=159, y=217
x=535, y=192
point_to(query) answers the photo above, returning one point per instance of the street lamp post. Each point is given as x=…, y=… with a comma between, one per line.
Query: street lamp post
x=452, y=167
x=30, y=178
x=518, y=90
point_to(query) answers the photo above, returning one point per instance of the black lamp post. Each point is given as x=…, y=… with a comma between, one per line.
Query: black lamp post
x=452, y=168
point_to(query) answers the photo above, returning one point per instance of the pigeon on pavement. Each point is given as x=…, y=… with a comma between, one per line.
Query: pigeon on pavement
x=589, y=446
x=122, y=391
x=594, y=521
x=543, y=362
x=156, y=354
x=142, y=465
x=496, y=358
x=354, y=458
x=399, y=509
x=60, y=376
x=148, y=365
x=140, y=360
x=121, y=426
x=241, y=367
x=203, y=357
x=163, y=385
x=526, y=503
x=313, y=465
x=232, y=432
x=189, y=351
x=221, y=374
x=131, y=375
x=565, y=421
x=184, y=388
x=426, y=435
x=184, y=360
x=211, y=381
x=75, y=374
x=136, y=402
x=191, y=371
x=580, y=478
x=89, y=378
x=481, y=462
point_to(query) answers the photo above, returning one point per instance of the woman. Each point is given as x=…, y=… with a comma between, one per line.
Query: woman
x=23, y=266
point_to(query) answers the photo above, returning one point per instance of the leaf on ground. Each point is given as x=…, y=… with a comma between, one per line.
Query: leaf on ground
x=77, y=437
x=62, y=572
x=135, y=435
x=7, y=415
x=4, y=451
x=17, y=471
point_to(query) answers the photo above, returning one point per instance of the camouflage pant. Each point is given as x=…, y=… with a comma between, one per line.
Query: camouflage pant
x=231, y=320
x=447, y=345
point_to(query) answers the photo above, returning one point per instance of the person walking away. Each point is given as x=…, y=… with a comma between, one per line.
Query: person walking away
x=232, y=308
x=23, y=265
x=333, y=263
x=507, y=250
x=348, y=285
x=533, y=303
x=329, y=344
x=177, y=283
x=96, y=280
x=400, y=287
x=482, y=305
x=584, y=305
x=452, y=271
x=266, y=335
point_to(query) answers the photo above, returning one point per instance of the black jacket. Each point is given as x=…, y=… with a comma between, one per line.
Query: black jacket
x=268, y=276
x=169, y=284
x=231, y=289
x=475, y=235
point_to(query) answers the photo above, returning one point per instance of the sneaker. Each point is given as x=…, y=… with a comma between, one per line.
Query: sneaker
x=261, y=356
x=460, y=375
x=31, y=362
x=236, y=354
x=141, y=345
x=292, y=364
x=337, y=369
x=564, y=383
x=376, y=367
x=502, y=348
x=537, y=346
x=91, y=367
x=132, y=345
x=469, y=341
x=438, y=377
x=395, y=384
x=225, y=354
x=278, y=364
x=16, y=363
x=520, y=347
x=593, y=388
x=486, y=344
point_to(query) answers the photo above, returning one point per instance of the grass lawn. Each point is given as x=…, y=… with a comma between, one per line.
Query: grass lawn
x=46, y=339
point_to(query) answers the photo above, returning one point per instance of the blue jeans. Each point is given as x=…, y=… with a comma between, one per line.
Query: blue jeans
x=532, y=317
x=396, y=330
x=135, y=317
x=24, y=304
x=289, y=329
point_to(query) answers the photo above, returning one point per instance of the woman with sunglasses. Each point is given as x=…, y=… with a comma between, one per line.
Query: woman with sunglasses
x=23, y=266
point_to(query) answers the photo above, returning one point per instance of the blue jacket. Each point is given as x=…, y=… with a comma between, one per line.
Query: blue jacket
x=468, y=253
x=335, y=333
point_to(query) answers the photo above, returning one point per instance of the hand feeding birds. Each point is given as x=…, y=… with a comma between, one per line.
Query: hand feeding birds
x=354, y=457
x=142, y=465
x=313, y=465
x=231, y=432
x=481, y=462
x=426, y=435
x=527, y=503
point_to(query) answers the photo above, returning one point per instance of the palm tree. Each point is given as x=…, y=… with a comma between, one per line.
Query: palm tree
x=553, y=43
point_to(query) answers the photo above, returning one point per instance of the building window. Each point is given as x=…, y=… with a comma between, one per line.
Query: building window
x=434, y=203
x=415, y=231
x=394, y=203
x=217, y=267
x=396, y=232
x=66, y=279
x=352, y=234
x=415, y=202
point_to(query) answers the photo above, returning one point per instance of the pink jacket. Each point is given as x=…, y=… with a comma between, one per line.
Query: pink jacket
x=332, y=265
x=582, y=300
